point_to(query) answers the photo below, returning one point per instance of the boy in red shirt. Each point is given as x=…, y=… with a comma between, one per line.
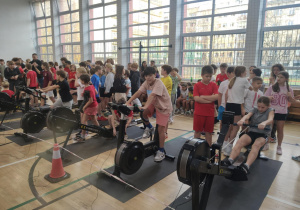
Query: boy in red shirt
x=67, y=67
x=31, y=82
x=89, y=109
x=71, y=81
x=222, y=76
x=205, y=93
x=6, y=89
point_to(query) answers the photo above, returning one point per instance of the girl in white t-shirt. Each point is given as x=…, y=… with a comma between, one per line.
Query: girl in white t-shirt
x=181, y=101
x=234, y=99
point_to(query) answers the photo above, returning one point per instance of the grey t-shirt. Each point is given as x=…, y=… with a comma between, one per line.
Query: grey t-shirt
x=258, y=118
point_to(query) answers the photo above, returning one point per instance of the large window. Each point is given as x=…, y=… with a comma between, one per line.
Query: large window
x=281, y=38
x=69, y=29
x=149, y=24
x=214, y=31
x=103, y=29
x=42, y=13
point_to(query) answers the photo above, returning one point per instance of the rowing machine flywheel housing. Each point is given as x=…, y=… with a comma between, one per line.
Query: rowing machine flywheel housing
x=33, y=122
x=61, y=120
x=130, y=157
x=194, y=148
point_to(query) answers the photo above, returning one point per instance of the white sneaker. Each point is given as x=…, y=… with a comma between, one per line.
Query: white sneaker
x=159, y=156
x=228, y=150
x=177, y=111
x=147, y=132
x=171, y=120
x=182, y=112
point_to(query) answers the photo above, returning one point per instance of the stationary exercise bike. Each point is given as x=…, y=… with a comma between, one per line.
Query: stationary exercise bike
x=197, y=164
x=130, y=154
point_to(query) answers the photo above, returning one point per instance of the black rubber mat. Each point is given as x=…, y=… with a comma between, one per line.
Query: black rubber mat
x=91, y=147
x=227, y=194
x=149, y=174
x=45, y=134
x=15, y=115
x=10, y=125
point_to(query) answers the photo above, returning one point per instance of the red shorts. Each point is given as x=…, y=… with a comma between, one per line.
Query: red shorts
x=161, y=119
x=203, y=123
x=90, y=111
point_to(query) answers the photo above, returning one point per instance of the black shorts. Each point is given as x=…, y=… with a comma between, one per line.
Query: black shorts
x=74, y=94
x=280, y=117
x=255, y=136
x=108, y=95
x=236, y=108
x=102, y=90
x=79, y=102
x=98, y=100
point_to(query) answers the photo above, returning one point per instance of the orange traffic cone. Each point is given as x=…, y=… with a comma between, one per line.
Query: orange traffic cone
x=57, y=173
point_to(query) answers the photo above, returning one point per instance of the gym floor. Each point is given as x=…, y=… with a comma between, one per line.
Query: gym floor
x=22, y=171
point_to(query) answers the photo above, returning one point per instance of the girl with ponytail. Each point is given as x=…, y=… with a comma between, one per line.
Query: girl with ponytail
x=280, y=93
x=234, y=98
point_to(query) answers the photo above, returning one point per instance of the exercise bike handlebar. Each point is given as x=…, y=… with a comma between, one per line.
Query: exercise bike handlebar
x=252, y=126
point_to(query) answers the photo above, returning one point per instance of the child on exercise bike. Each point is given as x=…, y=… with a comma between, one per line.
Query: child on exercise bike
x=159, y=100
x=262, y=116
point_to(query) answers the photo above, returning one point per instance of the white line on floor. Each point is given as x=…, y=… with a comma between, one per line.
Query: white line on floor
x=283, y=201
x=18, y=161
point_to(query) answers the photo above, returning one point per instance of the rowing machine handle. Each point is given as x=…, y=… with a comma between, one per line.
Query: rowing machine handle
x=253, y=126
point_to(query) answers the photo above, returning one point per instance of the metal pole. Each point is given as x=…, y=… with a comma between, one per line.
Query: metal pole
x=140, y=55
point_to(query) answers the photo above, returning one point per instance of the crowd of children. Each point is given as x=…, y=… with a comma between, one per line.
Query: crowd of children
x=163, y=96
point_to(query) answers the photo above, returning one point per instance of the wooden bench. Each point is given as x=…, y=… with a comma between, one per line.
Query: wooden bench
x=294, y=111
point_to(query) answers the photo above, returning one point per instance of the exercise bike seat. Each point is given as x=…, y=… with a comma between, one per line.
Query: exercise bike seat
x=45, y=109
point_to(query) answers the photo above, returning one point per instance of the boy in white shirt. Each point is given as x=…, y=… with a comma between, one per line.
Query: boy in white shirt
x=221, y=99
x=251, y=96
x=180, y=102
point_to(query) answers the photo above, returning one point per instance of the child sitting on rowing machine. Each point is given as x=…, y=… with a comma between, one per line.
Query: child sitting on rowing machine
x=114, y=119
x=159, y=100
x=262, y=117
x=89, y=109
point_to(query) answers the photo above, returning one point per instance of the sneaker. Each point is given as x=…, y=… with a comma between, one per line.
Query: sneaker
x=78, y=139
x=171, y=120
x=177, y=111
x=79, y=133
x=102, y=118
x=147, y=132
x=228, y=150
x=188, y=113
x=159, y=156
x=244, y=168
x=182, y=112
x=296, y=158
x=266, y=147
x=225, y=163
x=273, y=140
x=279, y=150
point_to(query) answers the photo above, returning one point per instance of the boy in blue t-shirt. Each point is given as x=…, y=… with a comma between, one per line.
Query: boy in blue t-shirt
x=95, y=79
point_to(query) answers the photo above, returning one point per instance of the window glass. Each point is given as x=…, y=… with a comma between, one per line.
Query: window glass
x=230, y=22
x=198, y=9
x=197, y=25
